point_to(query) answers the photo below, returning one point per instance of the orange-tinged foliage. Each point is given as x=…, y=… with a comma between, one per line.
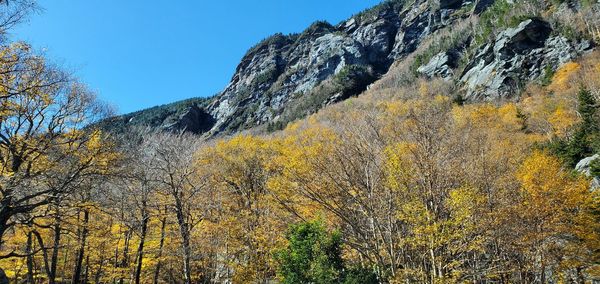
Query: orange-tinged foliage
x=555, y=207
x=565, y=77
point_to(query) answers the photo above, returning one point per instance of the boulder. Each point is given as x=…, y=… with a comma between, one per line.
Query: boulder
x=584, y=167
x=440, y=65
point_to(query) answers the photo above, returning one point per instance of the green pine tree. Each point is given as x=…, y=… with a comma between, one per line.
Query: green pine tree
x=586, y=138
x=313, y=255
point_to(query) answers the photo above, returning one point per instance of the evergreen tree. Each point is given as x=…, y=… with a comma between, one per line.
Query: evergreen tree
x=585, y=140
x=587, y=109
x=312, y=256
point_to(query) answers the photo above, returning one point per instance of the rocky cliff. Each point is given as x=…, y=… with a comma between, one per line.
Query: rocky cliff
x=517, y=56
x=286, y=77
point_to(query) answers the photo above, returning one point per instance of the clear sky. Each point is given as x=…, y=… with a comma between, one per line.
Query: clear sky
x=138, y=53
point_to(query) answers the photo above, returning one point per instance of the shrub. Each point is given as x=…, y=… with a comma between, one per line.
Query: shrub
x=548, y=74
x=312, y=256
x=268, y=76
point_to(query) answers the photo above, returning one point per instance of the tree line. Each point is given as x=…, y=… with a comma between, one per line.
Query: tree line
x=417, y=190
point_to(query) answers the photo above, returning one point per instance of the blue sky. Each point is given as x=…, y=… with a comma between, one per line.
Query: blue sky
x=136, y=54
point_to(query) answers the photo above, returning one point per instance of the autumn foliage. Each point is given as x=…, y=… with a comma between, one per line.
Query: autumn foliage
x=417, y=189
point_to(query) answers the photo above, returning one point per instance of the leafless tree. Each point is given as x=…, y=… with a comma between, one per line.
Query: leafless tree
x=172, y=163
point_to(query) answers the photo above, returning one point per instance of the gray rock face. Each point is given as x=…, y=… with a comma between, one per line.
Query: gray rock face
x=440, y=65
x=284, y=70
x=285, y=77
x=194, y=120
x=584, y=167
x=281, y=67
x=517, y=55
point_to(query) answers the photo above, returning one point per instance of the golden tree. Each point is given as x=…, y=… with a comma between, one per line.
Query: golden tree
x=46, y=149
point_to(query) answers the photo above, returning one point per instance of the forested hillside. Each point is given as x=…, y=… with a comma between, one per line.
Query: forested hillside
x=473, y=158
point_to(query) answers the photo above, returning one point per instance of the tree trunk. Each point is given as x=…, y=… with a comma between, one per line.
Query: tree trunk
x=185, y=245
x=29, y=252
x=580, y=276
x=160, y=249
x=55, y=247
x=125, y=260
x=44, y=252
x=5, y=215
x=87, y=269
x=433, y=265
x=140, y=250
x=66, y=255
x=98, y=274
x=81, y=250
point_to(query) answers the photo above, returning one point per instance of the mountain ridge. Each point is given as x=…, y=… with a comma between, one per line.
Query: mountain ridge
x=287, y=77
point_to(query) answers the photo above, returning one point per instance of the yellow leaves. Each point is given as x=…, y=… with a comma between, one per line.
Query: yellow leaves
x=398, y=165
x=408, y=178
x=562, y=120
x=316, y=141
x=235, y=154
x=239, y=171
x=563, y=78
x=441, y=100
x=463, y=202
x=551, y=111
x=465, y=115
x=509, y=115
x=553, y=201
x=555, y=206
x=414, y=213
x=395, y=108
x=94, y=142
x=240, y=146
x=503, y=118
x=458, y=230
x=92, y=151
x=550, y=114
x=541, y=175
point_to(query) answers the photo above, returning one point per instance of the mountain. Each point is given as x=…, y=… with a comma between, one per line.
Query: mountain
x=287, y=77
